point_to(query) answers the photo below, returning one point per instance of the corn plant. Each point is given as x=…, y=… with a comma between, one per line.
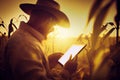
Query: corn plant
x=98, y=54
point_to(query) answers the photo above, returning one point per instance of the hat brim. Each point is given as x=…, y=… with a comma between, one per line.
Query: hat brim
x=62, y=19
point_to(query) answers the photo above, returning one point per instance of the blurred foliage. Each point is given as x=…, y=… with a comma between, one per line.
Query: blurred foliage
x=103, y=60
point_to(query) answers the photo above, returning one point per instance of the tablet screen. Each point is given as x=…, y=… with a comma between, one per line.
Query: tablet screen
x=72, y=51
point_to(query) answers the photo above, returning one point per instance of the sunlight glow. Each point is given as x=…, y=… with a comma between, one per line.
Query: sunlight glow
x=60, y=32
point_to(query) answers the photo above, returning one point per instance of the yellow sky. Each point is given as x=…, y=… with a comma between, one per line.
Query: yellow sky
x=76, y=10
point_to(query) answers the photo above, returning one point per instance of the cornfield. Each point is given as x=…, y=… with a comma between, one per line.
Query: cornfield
x=100, y=60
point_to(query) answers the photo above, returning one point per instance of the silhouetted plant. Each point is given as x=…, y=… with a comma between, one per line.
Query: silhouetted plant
x=99, y=14
x=117, y=20
x=12, y=24
x=2, y=25
x=98, y=23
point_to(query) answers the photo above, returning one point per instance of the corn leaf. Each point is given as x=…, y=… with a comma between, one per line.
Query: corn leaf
x=94, y=9
x=108, y=34
x=99, y=21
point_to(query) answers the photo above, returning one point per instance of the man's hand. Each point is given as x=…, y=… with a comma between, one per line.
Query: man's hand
x=71, y=65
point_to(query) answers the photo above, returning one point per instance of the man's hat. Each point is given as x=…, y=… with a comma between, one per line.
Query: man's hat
x=51, y=7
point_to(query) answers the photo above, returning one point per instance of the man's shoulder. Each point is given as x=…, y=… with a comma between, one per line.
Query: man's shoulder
x=17, y=36
x=21, y=38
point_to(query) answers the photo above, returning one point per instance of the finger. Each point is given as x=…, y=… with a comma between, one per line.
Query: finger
x=70, y=58
x=75, y=58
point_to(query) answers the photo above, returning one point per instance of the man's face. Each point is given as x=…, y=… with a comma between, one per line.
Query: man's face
x=45, y=22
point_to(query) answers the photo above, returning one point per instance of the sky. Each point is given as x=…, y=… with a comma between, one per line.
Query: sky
x=76, y=10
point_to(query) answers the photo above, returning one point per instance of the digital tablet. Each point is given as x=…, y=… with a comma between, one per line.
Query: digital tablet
x=71, y=52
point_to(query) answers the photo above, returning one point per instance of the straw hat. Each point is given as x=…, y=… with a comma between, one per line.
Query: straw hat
x=51, y=7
